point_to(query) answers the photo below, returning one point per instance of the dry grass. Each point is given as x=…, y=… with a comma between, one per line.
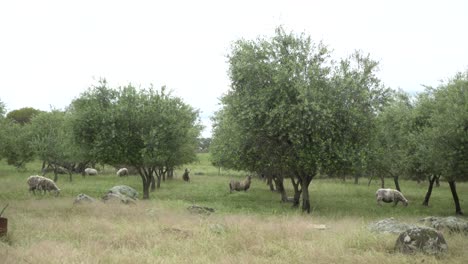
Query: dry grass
x=54, y=231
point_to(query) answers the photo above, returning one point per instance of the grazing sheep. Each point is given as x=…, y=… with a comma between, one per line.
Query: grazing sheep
x=390, y=195
x=186, y=177
x=46, y=184
x=33, y=182
x=240, y=186
x=122, y=172
x=90, y=171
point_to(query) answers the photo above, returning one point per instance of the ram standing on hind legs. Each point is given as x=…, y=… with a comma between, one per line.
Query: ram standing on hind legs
x=389, y=196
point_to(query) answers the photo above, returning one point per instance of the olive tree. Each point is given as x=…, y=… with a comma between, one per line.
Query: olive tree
x=16, y=143
x=52, y=141
x=448, y=131
x=146, y=128
x=280, y=114
x=390, y=142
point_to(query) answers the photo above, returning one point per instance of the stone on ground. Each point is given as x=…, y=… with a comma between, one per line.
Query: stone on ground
x=451, y=223
x=389, y=225
x=421, y=239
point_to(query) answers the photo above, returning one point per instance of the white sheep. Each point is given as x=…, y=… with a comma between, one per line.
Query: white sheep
x=47, y=184
x=390, y=195
x=240, y=186
x=33, y=182
x=122, y=172
x=90, y=171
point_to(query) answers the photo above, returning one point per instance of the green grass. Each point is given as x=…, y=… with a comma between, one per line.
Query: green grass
x=250, y=227
x=329, y=197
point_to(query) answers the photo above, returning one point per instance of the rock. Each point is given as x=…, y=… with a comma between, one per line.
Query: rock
x=451, y=223
x=389, y=225
x=421, y=239
x=179, y=233
x=124, y=190
x=117, y=197
x=83, y=198
x=195, y=209
x=218, y=229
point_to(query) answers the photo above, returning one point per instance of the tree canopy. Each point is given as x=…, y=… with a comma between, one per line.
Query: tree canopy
x=23, y=115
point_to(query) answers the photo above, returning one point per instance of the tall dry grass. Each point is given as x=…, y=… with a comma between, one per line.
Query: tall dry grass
x=52, y=230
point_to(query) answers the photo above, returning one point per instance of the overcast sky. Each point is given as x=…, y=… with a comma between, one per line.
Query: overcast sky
x=52, y=51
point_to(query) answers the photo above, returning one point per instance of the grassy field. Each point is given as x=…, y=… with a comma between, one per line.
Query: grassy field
x=247, y=227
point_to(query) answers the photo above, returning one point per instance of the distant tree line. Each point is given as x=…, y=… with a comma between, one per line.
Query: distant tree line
x=146, y=129
x=293, y=112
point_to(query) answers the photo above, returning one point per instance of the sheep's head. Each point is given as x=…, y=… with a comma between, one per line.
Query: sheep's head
x=57, y=192
x=405, y=202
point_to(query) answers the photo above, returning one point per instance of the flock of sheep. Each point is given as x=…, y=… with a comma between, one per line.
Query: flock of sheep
x=44, y=184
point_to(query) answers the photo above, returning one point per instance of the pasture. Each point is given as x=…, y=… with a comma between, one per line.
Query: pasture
x=247, y=227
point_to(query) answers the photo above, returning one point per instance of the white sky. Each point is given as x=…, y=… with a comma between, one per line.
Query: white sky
x=51, y=51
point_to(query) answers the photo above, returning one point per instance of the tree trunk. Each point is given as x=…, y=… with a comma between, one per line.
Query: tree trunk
x=270, y=183
x=43, y=167
x=158, y=183
x=453, y=188
x=276, y=184
x=146, y=183
x=370, y=179
x=356, y=178
x=280, y=188
x=382, y=180
x=55, y=173
x=297, y=192
x=437, y=181
x=429, y=191
x=153, y=183
x=397, y=185
x=305, y=193
x=70, y=176
x=170, y=174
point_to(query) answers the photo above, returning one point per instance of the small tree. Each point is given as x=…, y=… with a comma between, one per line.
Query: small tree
x=16, y=143
x=52, y=142
x=390, y=141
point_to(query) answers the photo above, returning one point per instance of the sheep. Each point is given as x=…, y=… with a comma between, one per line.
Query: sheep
x=47, y=184
x=390, y=195
x=90, y=171
x=122, y=172
x=185, y=176
x=240, y=186
x=33, y=182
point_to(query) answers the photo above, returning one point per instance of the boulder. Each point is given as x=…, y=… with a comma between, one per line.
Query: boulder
x=389, y=225
x=117, y=197
x=421, y=239
x=83, y=198
x=451, y=223
x=195, y=209
x=124, y=190
x=218, y=229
